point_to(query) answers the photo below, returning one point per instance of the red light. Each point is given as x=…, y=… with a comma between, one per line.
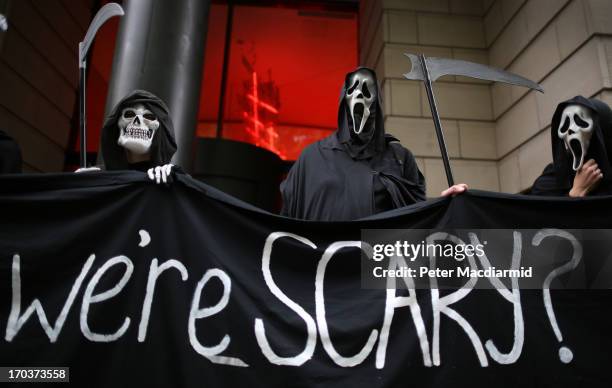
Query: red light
x=264, y=135
x=284, y=46
x=268, y=107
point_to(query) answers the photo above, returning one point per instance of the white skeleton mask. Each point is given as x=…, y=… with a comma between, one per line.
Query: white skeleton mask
x=137, y=126
x=576, y=129
x=360, y=95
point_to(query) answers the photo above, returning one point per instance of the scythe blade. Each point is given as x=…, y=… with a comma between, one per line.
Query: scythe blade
x=439, y=67
x=105, y=13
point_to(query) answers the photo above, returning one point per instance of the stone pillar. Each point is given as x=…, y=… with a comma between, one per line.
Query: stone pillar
x=160, y=48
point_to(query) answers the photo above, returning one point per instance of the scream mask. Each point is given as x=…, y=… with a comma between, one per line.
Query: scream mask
x=580, y=130
x=361, y=92
x=137, y=126
x=576, y=129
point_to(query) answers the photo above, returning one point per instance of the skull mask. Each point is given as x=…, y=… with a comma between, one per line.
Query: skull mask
x=576, y=129
x=360, y=95
x=137, y=126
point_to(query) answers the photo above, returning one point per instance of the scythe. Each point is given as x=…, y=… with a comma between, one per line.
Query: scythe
x=105, y=13
x=429, y=70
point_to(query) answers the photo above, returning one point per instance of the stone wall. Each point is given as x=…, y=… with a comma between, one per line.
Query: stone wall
x=497, y=135
x=39, y=75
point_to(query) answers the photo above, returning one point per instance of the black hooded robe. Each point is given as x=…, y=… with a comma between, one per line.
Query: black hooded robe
x=10, y=155
x=335, y=179
x=163, y=145
x=557, y=178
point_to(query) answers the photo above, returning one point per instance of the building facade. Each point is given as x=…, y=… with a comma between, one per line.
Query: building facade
x=497, y=135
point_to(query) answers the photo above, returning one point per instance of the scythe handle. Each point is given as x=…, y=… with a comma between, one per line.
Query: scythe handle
x=437, y=123
x=82, y=118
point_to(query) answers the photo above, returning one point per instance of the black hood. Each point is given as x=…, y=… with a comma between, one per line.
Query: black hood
x=163, y=146
x=355, y=148
x=600, y=147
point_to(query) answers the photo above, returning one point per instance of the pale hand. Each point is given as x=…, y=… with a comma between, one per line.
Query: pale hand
x=586, y=179
x=454, y=190
x=160, y=174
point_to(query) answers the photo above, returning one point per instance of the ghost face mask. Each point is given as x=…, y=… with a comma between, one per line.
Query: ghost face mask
x=360, y=95
x=137, y=127
x=576, y=129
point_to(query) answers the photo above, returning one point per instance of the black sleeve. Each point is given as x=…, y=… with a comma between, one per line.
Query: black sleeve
x=411, y=186
x=178, y=170
x=10, y=155
x=546, y=184
x=290, y=190
x=413, y=174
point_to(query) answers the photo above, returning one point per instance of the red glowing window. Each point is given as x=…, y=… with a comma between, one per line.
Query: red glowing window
x=297, y=57
x=284, y=74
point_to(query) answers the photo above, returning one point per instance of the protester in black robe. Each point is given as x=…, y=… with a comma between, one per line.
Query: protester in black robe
x=132, y=118
x=163, y=145
x=594, y=177
x=10, y=155
x=358, y=170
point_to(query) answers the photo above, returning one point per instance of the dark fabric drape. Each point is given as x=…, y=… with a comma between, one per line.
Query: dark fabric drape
x=209, y=244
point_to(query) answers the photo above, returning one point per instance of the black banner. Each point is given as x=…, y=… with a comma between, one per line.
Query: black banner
x=128, y=283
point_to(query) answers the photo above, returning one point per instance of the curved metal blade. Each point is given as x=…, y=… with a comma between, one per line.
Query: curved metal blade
x=416, y=71
x=441, y=66
x=105, y=13
x=438, y=67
